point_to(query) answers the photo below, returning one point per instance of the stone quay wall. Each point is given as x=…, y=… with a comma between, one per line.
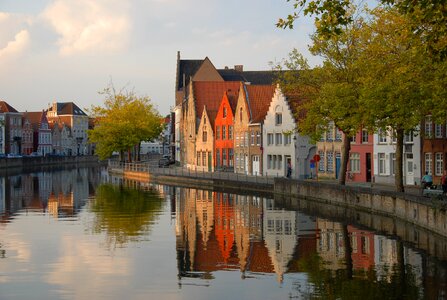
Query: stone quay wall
x=429, y=213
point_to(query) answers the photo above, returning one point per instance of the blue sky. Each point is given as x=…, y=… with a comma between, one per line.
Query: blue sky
x=68, y=50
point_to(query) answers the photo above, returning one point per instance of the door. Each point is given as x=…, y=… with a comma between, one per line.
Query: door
x=409, y=170
x=337, y=165
x=255, y=165
x=368, y=167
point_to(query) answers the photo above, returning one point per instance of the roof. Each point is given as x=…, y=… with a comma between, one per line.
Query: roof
x=5, y=107
x=253, y=77
x=188, y=68
x=210, y=93
x=259, y=99
x=295, y=100
x=68, y=108
x=35, y=118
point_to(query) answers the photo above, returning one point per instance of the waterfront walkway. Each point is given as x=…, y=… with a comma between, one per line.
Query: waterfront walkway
x=151, y=167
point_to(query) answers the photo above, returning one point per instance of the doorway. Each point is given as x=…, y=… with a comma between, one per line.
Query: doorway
x=368, y=167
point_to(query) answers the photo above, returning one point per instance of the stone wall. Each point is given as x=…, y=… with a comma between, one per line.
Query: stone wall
x=421, y=211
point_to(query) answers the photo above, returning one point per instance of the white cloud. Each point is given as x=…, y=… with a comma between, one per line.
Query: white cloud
x=89, y=25
x=20, y=42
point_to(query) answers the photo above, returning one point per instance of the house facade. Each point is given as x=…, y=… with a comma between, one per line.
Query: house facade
x=27, y=136
x=224, y=132
x=434, y=148
x=12, y=129
x=329, y=149
x=385, y=158
x=361, y=157
x=205, y=143
x=282, y=144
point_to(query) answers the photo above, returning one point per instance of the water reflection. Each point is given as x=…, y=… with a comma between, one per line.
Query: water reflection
x=220, y=231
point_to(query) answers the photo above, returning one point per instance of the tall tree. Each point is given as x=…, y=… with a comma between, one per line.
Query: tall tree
x=332, y=91
x=428, y=19
x=397, y=82
x=124, y=122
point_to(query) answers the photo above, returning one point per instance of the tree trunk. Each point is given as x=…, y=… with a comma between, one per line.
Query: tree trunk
x=121, y=156
x=399, y=182
x=344, y=160
x=129, y=155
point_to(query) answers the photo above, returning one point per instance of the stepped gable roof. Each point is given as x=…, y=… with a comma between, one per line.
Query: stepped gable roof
x=259, y=99
x=188, y=67
x=253, y=77
x=5, y=107
x=210, y=93
x=69, y=108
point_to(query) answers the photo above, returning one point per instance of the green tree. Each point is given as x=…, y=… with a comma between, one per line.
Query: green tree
x=123, y=123
x=428, y=19
x=398, y=87
x=331, y=91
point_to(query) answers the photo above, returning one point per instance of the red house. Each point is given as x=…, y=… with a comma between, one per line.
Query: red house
x=360, y=157
x=224, y=131
x=362, y=244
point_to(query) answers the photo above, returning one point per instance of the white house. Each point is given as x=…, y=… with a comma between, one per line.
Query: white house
x=385, y=158
x=282, y=144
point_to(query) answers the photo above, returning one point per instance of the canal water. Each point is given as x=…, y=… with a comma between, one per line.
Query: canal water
x=81, y=234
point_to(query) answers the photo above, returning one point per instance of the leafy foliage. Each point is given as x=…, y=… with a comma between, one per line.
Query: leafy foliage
x=123, y=122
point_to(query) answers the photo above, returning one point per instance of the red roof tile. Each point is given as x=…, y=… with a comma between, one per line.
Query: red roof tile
x=5, y=107
x=210, y=93
x=259, y=98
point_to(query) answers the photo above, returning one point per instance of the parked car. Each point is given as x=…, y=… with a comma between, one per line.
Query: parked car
x=163, y=163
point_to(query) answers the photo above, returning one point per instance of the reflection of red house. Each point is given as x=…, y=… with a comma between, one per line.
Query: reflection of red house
x=259, y=260
x=224, y=131
x=362, y=244
x=224, y=224
x=361, y=154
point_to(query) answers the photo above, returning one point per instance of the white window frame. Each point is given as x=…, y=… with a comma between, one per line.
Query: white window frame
x=354, y=162
x=381, y=158
x=330, y=162
x=428, y=127
x=428, y=162
x=439, y=163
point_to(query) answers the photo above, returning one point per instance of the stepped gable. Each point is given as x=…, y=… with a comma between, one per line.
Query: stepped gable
x=210, y=93
x=260, y=260
x=295, y=100
x=5, y=108
x=259, y=98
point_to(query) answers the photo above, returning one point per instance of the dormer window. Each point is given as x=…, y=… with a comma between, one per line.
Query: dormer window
x=278, y=118
x=240, y=114
x=224, y=112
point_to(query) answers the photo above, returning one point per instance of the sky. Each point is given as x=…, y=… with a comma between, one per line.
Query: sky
x=69, y=50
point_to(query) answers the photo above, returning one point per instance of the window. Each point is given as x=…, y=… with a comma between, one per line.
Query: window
x=278, y=138
x=428, y=127
x=381, y=134
x=287, y=139
x=224, y=112
x=438, y=164
x=258, y=138
x=218, y=158
x=274, y=162
x=252, y=138
x=353, y=139
x=224, y=132
x=230, y=132
x=381, y=163
x=428, y=162
x=217, y=132
x=237, y=139
x=269, y=138
x=198, y=158
x=408, y=138
x=393, y=163
x=321, y=165
x=280, y=162
x=354, y=162
x=338, y=135
x=330, y=162
x=269, y=161
x=278, y=118
x=204, y=136
x=246, y=139
x=364, y=136
x=438, y=130
x=240, y=114
x=224, y=157
x=230, y=156
x=203, y=158
x=330, y=132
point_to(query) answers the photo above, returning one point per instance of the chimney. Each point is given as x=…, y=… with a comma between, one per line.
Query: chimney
x=239, y=68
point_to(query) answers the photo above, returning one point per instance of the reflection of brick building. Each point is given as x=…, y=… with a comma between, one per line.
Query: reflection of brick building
x=362, y=245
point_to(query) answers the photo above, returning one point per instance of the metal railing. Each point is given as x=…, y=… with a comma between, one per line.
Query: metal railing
x=146, y=167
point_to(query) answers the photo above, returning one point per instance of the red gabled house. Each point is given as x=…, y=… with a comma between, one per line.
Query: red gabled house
x=224, y=131
x=361, y=157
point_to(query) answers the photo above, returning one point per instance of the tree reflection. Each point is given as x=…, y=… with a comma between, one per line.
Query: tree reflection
x=124, y=214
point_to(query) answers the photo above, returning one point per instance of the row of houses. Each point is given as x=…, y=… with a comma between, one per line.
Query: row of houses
x=61, y=129
x=242, y=122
